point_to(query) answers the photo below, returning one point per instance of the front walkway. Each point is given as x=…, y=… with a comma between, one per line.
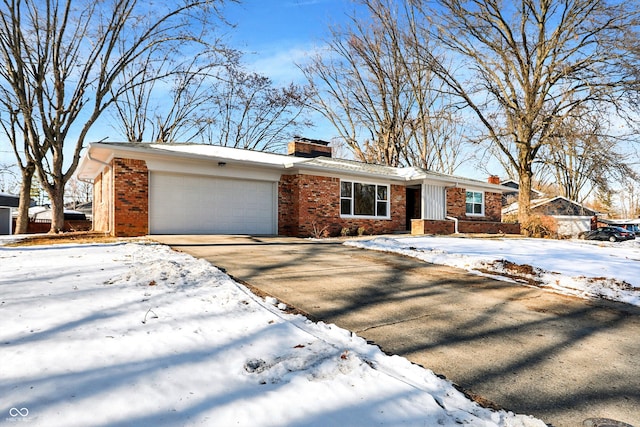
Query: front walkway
x=559, y=358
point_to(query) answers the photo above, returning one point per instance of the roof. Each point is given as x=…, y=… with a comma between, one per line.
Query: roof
x=621, y=221
x=515, y=186
x=99, y=154
x=576, y=209
x=9, y=200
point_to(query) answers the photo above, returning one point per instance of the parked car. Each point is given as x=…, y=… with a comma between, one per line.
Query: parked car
x=632, y=227
x=612, y=234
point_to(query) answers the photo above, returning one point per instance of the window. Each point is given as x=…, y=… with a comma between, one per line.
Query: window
x=357, y=199
x=475, y=203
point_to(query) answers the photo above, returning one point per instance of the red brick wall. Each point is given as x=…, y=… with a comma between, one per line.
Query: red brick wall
x=430, y=226
x=493, y=206
x=424, y=226
x=456, y=206
x=130, y=197
x=488, y=227
x=309, y=204
x=288, y=205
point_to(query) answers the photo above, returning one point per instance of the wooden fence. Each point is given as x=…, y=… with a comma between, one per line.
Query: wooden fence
x=44, y=225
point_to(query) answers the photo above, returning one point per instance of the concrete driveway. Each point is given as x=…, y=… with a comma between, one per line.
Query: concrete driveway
x=561, y=359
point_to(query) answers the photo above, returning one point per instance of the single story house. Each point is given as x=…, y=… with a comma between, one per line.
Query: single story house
x=143, y=188
x=7, y=203
x=571, y=217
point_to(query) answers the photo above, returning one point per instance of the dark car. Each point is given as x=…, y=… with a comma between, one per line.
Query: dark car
x=612, y=234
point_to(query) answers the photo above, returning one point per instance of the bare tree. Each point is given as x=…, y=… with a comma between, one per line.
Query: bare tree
x=60, y=63
x=524, y=66
x=170, y=98
x=629, y=196
x=209, y=99
x=8, y=178
x=583, y=156
x=374, y=86
x=247, y=111
x=77, y=192
x=18, y=136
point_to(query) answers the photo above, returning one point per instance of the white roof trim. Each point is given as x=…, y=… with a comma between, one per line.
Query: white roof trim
x=99, y=153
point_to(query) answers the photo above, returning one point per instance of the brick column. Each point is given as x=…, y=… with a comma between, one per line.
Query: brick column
x=130, y=197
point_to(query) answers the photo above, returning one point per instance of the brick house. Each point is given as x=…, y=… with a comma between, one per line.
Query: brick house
x=142, y=189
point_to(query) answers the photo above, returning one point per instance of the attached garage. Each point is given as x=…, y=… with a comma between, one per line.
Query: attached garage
x=199, y=204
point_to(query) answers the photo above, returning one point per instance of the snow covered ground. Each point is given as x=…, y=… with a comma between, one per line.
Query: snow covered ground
x=587, y=269
x=134, y=334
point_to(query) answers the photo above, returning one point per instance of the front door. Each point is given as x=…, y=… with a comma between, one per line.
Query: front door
x=414, y=206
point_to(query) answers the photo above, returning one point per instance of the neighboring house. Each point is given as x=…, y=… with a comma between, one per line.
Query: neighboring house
x=7, y=203
x=144, y=189
x=629, y=224
x=571, y=216
x=510, y=197
x=86, y=208
x=44, y=214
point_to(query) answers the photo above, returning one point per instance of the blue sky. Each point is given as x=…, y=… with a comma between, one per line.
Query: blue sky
x=278, y=34
x=275, y=34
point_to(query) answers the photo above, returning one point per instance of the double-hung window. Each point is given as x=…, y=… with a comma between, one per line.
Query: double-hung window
x=358, y=199
x=475, y=203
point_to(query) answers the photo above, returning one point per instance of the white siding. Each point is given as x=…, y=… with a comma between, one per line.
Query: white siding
x=572, y=225
x=433, y=202
x=5, y=220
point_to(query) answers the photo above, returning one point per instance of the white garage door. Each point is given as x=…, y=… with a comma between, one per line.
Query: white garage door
x=193, y=204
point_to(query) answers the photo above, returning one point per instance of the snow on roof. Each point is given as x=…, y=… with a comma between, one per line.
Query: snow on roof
x=90, y=166
x=228, y=153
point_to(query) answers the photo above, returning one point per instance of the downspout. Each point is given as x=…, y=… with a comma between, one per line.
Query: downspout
x=93, y=208
x=455, y=225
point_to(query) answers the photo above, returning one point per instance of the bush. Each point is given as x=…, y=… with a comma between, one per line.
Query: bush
x=541, y=226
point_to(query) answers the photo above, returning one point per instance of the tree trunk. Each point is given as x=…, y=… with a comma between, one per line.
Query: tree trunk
x=22, y=222
x=524, y=199
x=56, y=194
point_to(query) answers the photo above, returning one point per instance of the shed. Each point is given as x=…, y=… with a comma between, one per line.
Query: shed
x=7, y=203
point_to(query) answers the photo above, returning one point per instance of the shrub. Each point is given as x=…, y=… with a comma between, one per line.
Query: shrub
x=541, y=226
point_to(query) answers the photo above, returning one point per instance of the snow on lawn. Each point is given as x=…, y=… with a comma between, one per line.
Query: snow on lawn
x=584, y=268
x=135, y=334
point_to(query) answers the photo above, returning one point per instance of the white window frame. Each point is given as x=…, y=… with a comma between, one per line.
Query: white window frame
x=351, y=200
x=472, y=213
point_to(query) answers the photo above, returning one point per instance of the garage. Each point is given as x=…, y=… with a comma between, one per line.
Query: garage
x=7, y=203
x=198, y=204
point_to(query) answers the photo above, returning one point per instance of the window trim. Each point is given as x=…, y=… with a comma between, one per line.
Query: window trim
x=375, y=203
x=482, y=204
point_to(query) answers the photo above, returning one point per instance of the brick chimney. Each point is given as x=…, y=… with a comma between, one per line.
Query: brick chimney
x=494, y=179
x=305, y=147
